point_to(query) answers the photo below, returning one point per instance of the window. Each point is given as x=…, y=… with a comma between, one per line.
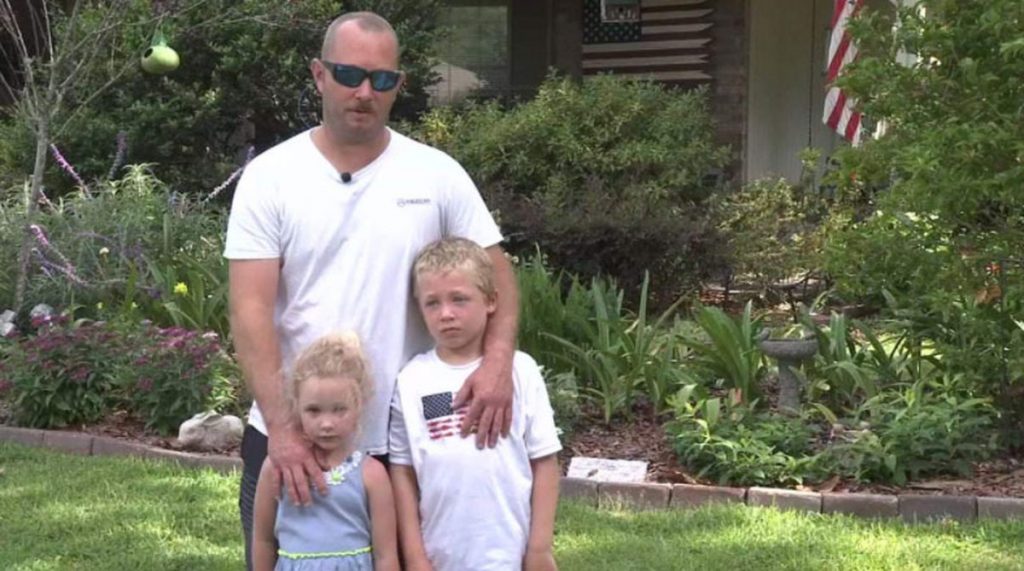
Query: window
x=475, y=52
x=620, y=10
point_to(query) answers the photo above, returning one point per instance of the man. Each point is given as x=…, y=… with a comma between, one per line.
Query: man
x=322, y=235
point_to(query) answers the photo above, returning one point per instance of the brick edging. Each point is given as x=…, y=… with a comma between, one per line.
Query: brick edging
x=89, y=445
x=647, y=496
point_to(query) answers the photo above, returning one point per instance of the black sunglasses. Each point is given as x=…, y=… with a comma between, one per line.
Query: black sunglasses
x=353, y=76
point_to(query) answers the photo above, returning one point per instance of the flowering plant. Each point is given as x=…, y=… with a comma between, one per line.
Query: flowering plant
x=173, y=373
x=62, y=373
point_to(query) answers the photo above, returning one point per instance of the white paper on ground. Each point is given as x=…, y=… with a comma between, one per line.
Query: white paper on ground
x=607, y=470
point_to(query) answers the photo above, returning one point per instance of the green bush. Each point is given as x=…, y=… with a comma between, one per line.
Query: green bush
x=932, y=208
x=125, y=252
x=243, y=68
x=608, y=176
x=63, y=374
x=903, y=433
x=174, y=373
x=925, y=429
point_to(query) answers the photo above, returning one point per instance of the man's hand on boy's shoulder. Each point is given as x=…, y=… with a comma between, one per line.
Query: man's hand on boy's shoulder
x=488, y=391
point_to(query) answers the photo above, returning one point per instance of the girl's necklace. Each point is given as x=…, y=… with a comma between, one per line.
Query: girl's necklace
x=336, y=474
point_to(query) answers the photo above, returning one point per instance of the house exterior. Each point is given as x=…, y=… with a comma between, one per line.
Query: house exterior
x=763, y=61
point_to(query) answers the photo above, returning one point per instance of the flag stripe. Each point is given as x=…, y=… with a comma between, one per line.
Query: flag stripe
x=839, y=113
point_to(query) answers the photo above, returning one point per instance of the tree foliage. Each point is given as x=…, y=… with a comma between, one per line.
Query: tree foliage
x=936, y=204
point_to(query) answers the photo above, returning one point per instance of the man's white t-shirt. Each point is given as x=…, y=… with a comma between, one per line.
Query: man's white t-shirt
x=346, y=249
x=474, y=504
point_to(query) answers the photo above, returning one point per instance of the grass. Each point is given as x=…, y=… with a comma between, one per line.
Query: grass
x=68, y=512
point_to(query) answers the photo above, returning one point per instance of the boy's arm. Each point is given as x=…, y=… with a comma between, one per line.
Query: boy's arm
x=264, y=543
x=543, y=504
x=407, y=502
x=383, y=532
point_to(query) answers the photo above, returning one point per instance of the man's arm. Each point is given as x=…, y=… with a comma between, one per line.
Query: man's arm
x=407, y=503
x=252, y=289
x=489, y=389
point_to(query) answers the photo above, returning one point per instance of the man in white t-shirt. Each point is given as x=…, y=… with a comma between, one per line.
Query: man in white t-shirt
x=323, y=231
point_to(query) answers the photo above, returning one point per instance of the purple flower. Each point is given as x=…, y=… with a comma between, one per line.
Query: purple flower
x=119, y=156
x=144, y=385
x=70, y=170
x=232, y=177
x=66, y=267
x=80, y=374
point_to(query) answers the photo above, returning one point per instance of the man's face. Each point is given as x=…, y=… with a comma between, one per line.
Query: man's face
x=356, y=115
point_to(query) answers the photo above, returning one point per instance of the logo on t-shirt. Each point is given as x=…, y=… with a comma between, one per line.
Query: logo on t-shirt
x=442, y=420
x=413, y=201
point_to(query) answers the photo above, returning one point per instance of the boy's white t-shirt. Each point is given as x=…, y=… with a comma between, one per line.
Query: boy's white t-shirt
x=346, y=249
x=474, y=504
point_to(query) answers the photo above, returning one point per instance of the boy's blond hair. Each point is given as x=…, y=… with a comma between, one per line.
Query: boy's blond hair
x=460, y=254
x=337, y=356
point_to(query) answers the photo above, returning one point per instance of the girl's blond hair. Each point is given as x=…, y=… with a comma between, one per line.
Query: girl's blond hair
x=336, y=355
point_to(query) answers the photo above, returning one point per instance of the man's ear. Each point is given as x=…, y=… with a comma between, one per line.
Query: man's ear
x=319, y=74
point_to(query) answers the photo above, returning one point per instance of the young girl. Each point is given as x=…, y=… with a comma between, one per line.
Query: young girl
x=352, y=527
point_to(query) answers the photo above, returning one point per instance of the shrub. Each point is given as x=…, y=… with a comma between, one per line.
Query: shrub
x=63, y=374
x=932, y=208
x=608, y=176
x=903, y=433
x=126, y=249
x=726, y=441
x=174, y=373
x=925, y=429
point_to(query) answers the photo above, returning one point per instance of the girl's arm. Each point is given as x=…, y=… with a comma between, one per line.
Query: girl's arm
x=264, y=544
x=543, y=503
x=383, y=535
x=407, y=500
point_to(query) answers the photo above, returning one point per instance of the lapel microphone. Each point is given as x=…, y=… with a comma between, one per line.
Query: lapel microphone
x=346, y=177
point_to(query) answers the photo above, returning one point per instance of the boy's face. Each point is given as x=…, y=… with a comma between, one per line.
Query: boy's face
x=456, y=313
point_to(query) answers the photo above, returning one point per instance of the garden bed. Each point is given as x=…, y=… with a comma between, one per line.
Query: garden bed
x=641, y=438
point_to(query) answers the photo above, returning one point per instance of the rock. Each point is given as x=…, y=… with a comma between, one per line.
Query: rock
x=7, y=316
x=41, y=310
x=8, y=329
x=210, y=431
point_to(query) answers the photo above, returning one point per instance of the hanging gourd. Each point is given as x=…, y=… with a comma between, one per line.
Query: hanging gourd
x=159, y=58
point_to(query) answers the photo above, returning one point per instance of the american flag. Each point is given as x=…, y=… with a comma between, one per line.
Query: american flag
x=442, y=420
x=669, y=44
x=839, y=111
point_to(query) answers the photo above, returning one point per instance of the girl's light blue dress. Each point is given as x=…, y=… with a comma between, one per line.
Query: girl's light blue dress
x=331, y=534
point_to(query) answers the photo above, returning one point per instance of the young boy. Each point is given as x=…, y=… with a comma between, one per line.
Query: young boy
x=459, y=507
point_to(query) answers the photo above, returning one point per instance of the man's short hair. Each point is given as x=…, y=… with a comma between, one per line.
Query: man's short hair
x=460, y=254
x=367, y=21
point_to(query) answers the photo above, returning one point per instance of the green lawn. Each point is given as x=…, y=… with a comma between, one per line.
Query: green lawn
x=70, y=512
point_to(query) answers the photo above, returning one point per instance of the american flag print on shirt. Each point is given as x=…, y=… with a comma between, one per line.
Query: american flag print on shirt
x=442, y=421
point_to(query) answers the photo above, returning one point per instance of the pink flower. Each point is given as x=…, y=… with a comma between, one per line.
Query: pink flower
x=70, y=170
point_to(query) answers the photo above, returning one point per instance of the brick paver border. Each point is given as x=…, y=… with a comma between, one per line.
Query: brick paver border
x=909, y=507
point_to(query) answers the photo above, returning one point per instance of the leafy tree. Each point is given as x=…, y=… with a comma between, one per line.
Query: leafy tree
x=244, y=81
x=936, y=202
